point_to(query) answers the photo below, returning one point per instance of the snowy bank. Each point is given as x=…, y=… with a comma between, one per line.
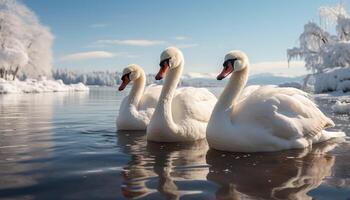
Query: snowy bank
x=337, y=79
x=38, y=86
x=341, y=107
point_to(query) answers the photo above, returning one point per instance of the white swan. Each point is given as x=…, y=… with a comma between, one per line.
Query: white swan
x=263, y=118
x=137, y=108
x=182, y=114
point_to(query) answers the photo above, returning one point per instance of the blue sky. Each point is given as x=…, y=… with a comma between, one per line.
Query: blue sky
x=110, y=34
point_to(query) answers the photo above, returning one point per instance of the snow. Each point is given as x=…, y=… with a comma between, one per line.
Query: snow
x=101, y=78
x=193, y=75
x=13, y=56
x=337, y=55
x=313, y=42
x=38, y=86
x=337, y=79
x=326, y=55
x=343, y=28
x=320, y=49
x=196, y=79
x=341, y=107
x=25, y=44
x=330, y=14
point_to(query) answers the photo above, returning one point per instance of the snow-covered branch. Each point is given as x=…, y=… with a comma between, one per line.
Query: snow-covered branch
x=25, y=44
x=326, y=55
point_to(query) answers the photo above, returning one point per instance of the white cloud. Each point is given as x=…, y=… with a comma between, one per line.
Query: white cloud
x=98, y=25
x=128, y=55
x=295, y=68
x=132, y=56
x=185, y=46
x=134, y=42
x=87, y=55
x=180, y=38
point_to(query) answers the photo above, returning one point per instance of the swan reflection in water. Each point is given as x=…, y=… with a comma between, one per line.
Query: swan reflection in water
x=163, y=170
x=189, y=170
x=279, y=175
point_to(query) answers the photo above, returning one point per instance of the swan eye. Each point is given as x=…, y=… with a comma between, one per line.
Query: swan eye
x=126, y=76
x=163, y=62
x=232, y=61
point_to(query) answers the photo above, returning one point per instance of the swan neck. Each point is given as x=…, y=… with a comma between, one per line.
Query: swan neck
x=165, y=100
x=233, y=89
x=137, y=90
x=170, y=83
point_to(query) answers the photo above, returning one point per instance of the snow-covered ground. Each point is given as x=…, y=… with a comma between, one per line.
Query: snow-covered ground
x=341, y=107
x=337, y=79
x=339, y=99
x=38, y=86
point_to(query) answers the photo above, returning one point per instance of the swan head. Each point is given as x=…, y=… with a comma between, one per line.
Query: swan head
x=170, y=59
x=234, y=61
x=130, y=73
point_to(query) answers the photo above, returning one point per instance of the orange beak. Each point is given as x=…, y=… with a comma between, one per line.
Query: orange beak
x=163, y=69
x=225, y=72
x=125, y=82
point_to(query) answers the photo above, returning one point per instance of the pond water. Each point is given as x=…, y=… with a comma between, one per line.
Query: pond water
x=65, y=145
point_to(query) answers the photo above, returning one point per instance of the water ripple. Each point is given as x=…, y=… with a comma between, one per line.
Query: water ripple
x=65, y=146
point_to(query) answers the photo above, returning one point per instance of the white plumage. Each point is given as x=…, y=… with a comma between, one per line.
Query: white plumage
x=181, y=114
x=263, y=118
x=137, y=108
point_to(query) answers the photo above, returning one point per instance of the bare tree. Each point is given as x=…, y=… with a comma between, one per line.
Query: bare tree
x=15, y=72
x=2, y=72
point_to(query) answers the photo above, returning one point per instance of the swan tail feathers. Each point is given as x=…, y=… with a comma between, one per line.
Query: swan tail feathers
x=327, y=135
x=335, y=134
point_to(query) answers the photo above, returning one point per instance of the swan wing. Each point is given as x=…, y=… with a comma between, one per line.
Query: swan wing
x=193, y=103
x=150, y=97
x=248, y=91
x=286, y=112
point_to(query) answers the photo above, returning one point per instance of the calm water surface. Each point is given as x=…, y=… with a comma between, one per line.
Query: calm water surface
x=65, y=145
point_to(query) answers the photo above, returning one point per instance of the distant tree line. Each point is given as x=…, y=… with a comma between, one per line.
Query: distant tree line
x=102, y=78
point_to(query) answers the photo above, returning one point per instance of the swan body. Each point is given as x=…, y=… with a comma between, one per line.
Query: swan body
x=181, y=114
x=137, y=108
x=263, y=118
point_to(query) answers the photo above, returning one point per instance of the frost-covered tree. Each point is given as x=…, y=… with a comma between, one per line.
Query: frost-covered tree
x=327, y=56
x=320, y=49
x=25, y=44
x=102, y=78
x=329, y=14
x=313, y=41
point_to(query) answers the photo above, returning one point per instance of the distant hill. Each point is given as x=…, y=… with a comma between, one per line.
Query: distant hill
x=108, y=78
x=209, y=80
x=272, y=79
